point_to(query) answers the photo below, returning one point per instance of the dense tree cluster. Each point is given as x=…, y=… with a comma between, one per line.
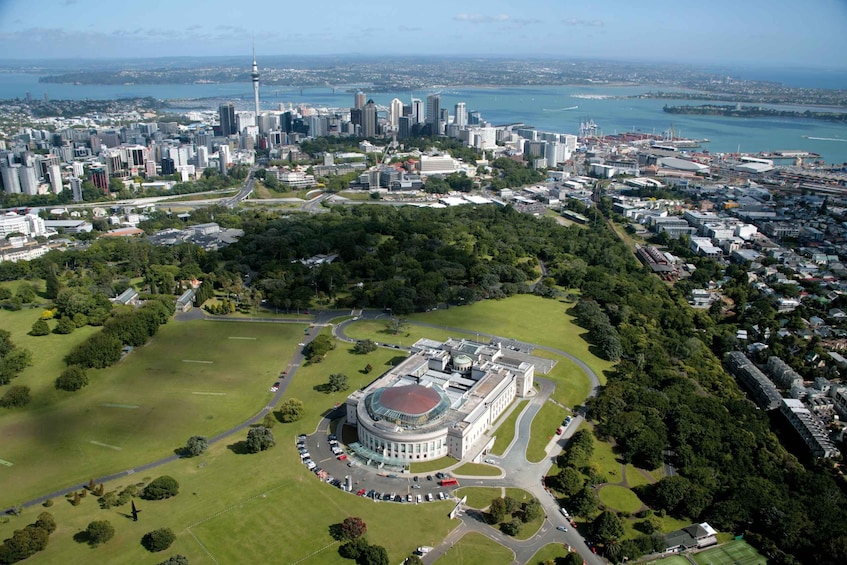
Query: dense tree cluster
x=133, y=327
x=28, y=541
x=511, y=513
x=13, y=359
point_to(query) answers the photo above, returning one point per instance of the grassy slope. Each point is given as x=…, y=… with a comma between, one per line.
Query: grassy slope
x=159, y=383
x=476, y=549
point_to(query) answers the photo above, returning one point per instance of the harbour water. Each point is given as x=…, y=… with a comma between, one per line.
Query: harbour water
x=550, y=108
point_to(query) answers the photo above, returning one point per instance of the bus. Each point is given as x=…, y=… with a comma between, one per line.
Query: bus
x=448, y=482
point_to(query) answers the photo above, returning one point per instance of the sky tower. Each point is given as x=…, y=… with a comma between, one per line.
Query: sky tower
x=254, y=75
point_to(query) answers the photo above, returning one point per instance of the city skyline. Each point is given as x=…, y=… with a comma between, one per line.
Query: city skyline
x=763, y=33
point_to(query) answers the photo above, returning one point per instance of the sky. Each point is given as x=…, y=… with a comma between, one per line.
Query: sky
x=773, y=33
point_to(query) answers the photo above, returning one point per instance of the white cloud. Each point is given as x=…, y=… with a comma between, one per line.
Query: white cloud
x=481, y=18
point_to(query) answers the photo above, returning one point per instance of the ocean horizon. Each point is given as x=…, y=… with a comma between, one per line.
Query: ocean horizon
x=548, y=108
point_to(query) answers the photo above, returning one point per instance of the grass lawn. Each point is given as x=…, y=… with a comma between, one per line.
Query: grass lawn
x=269, y=502
x=476, y=549
x=525, y=317
x=550, y=552
x=190, y=379
x=434, y=465
x=733, y=553
x=506, y=428
x=375, y=331
x=619, y=498
x=543, y=429
x=477, y=469
x=606, y=459
x=479, y=497
x=635, y=478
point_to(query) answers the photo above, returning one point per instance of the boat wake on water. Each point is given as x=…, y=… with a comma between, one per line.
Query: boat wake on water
x=560, y=109
x=824, y=138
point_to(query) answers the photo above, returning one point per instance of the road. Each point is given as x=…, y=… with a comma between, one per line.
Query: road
x=517, y=470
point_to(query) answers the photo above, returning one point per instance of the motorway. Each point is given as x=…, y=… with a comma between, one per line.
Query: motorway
x=516, y=470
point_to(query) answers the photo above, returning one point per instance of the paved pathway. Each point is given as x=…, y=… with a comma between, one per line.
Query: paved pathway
x=517, y=471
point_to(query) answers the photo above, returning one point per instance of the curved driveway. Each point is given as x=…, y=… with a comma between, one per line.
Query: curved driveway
x=517, y=470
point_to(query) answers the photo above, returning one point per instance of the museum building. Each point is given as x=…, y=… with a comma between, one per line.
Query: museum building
x=441, y=400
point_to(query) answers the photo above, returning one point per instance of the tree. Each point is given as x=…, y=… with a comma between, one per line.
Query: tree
x=584, y=503
x=497, y=510
x=259, y=439
x=99, y=531
x=158, y=540
x=290, y=410
x=196, y=445
x=511, y=528
x=53, y=284
x=15, y=397
x=161, y=488
x=364, y=346
x=413, y=560
x=512, y=504
x=338, y=382
x=45, y=520
x=39, y=328
x=607, y=527
x=532, y=510
x=353, y=549
x=65, y=325
x=72, y=379
x=374, y=555
x=569, y=481
x=175, y=560
x=318, y=348
x=24, y=543
x=97, y=352
x=395, y=325
x=353, y=527
x=13, y=362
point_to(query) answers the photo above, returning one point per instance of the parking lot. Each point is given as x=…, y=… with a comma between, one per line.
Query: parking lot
x=330, y=462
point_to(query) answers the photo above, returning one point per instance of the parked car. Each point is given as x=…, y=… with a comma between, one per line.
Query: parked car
x=429, y=497
x=418, y=498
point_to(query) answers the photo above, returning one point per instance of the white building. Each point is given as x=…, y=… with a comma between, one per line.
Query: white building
x=439, y=164
x=440, y=401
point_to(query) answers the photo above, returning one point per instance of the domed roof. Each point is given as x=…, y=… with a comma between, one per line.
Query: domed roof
x=408, y=405
x=410, y=399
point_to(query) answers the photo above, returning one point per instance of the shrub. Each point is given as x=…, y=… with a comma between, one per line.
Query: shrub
x=259, y=439
x=40, y=327
x=175, y=560
x=66, y=325
x=15, y=397
x=158, y=540
x=290, y=410
x=161, y=488
x=196, y=445
x=99, y=531
x=72, y=379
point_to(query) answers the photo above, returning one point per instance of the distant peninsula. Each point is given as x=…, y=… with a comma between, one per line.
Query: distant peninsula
x=738, y=111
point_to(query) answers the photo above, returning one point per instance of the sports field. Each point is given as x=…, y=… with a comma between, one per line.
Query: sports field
x=737, y=552
x=191, y=379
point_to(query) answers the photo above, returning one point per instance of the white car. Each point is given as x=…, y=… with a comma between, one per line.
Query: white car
x=491, y=461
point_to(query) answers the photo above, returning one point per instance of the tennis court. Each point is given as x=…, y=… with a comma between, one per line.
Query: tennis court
x=672, y=560
x=737, y=552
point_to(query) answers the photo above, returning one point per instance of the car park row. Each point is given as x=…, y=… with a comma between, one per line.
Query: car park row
x=346, y=484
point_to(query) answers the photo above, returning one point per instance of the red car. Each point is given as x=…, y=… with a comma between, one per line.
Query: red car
x=341, y=457
x=361, y=492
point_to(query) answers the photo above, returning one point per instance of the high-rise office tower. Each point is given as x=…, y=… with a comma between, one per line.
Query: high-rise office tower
x=254, y=76
x=404, y=127
x=395, y=110
x=76, y=188
x=359, y=101
x=11, y=180
x=226, y=112
x=460, y=116
x=433, y=112
x=417, y=111
x=369, y=125
x=29, y=179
